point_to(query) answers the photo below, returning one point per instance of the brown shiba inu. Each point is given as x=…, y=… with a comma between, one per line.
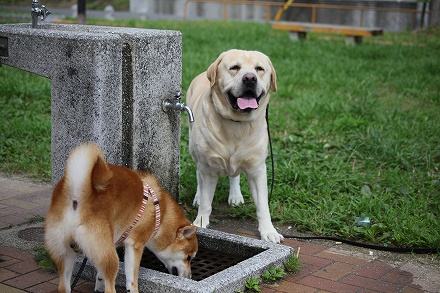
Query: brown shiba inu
x=97, y=205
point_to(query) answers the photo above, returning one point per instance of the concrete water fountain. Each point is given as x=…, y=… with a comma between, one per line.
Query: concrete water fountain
x=108, y=86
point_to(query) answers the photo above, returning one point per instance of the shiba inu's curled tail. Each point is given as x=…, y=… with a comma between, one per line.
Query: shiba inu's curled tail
x=86, y=168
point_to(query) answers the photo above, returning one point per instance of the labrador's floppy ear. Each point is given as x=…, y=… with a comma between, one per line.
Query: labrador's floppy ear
x=273, y=78
x=211, y=73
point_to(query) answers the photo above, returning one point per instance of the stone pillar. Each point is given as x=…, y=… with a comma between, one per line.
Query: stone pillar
x=108, y=85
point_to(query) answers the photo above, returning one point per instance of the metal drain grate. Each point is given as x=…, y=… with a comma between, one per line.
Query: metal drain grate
x=32, y=234
x=209, y=262
x=206, y=263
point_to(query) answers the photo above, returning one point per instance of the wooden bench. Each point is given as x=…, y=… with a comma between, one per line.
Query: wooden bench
x=353, y=34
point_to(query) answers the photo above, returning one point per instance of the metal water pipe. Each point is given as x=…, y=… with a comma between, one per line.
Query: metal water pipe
x=176, y=104
x=38, y=12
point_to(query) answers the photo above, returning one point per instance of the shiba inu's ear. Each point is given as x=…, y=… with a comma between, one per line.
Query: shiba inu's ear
x=187, y=231
x=101, y=174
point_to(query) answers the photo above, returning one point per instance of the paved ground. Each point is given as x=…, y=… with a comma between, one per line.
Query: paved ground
x=325, y=267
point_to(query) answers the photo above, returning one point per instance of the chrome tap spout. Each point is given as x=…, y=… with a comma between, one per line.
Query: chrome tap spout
x=189, y=111
x=37, y=12
x=175, y=104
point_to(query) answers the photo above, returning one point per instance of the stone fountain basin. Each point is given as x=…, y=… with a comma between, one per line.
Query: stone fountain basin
x=72, y=28
x=255, y=256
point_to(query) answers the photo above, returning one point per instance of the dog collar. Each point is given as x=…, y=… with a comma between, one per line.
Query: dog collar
x=147, y=191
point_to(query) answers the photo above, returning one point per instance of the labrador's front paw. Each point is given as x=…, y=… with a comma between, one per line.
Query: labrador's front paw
x=271, y=235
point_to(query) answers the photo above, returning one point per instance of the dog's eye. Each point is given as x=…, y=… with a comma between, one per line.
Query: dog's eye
x=235, y=68
x=259, y=68
x=188, y=259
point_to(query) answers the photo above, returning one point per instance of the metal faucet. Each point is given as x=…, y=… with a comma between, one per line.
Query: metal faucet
x=175, y=104
x=38, y=12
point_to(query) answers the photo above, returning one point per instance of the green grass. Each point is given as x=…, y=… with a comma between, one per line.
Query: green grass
x=356, y=129
x=25, y=123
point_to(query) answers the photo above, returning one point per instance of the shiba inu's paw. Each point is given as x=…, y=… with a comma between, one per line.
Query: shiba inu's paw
x=271, y=235
x=130, y=287
x=201, y=222
x=235, y=199
x=100, y=283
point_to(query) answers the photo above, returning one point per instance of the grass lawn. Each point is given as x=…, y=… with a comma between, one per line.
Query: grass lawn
x=355, y=129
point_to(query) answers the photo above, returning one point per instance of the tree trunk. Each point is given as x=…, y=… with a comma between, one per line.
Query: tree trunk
x=81, y=11
x=434, y=17
x=422, y=19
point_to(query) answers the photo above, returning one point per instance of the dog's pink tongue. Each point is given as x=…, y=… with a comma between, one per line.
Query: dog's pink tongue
x=244, y=103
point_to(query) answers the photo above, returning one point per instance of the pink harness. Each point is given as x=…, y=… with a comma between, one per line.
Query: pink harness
x=147, y=191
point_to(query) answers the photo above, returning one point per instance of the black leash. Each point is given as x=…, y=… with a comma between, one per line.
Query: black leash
x=78, y=275
x=369, y=246
x=271, y=154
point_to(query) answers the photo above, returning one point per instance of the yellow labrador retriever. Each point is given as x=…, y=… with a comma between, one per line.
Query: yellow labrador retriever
x=229, y=135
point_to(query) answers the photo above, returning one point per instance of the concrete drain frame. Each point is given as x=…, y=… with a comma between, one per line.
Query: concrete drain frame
x=251, y=257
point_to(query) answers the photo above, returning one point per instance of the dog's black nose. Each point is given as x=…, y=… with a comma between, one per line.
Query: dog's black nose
x=175, y=272
x=249, y=79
